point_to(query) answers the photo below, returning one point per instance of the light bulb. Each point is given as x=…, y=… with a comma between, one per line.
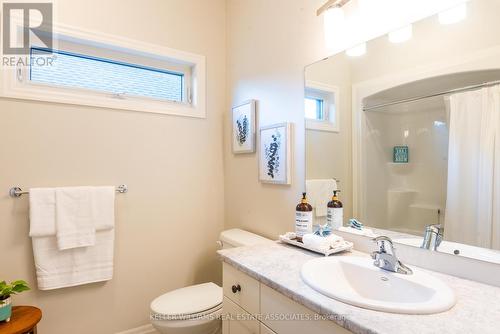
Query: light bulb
x=401, y=35
x=333, y=22
x=453, y=15
x=356, y=51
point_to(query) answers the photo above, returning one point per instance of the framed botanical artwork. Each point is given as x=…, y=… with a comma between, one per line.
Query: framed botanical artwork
x=243, y=123
x=275, y=153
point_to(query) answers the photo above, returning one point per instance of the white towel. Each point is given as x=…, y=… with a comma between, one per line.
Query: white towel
x=42, y=212
x=319, y=193
x=63, y=268
x=322, y=244
x=58, y=269
x=103, y=204
x=80, y=211
x=75, y=226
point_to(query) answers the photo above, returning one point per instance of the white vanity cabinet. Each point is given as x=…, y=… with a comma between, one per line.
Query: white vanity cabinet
x=253, y=308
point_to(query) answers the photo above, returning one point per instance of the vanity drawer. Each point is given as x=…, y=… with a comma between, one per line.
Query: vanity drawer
x=237, y=321
x=241, y=289
x=274, y=305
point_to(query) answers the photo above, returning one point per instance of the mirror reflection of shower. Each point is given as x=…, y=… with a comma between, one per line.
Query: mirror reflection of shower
x=426, y=146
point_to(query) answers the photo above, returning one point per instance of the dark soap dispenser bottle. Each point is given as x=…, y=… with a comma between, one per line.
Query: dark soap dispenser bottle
x=335, y=212
x=303, y=218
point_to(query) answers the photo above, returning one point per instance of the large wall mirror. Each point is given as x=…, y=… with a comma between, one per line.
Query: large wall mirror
x=411, y=133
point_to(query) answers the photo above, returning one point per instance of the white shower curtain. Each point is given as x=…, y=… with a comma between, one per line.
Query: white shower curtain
x=473, y=197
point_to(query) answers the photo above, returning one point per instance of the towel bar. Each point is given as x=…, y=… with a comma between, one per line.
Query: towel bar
x=18, y=192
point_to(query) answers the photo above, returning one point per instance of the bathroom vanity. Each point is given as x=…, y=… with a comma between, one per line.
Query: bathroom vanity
x=251, y=307
x=264, y=293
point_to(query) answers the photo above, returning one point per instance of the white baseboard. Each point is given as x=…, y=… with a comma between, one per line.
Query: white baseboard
x=146, y=329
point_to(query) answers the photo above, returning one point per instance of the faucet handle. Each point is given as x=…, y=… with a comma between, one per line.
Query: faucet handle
x=436, y=228
x=381, y=242
x=433, y=232
x=382, y=238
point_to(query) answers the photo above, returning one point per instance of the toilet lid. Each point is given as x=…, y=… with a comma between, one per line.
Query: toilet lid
x=189, y=300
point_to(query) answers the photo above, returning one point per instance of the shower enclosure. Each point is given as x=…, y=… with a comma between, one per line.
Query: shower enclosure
x=406, y=152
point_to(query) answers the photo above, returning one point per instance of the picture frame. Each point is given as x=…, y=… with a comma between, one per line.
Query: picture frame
x=275, y=153
x=243, y=127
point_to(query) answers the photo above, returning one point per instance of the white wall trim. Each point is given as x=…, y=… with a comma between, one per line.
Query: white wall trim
x=146, y=329
x=11, y=87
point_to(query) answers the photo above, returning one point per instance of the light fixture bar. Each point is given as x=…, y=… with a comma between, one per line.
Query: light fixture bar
x=329, y=4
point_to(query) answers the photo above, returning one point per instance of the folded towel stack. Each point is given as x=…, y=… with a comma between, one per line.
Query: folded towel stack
x=72, y=232
x=322, y=244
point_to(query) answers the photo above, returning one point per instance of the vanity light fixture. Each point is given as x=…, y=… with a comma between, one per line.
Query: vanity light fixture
x=401, y=35
x=333, y=17
x=330, y=4
x=333, y=20
x=453, y=15
x=356, y=51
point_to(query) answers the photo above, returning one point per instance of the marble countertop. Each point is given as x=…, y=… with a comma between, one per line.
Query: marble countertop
x=278, y=266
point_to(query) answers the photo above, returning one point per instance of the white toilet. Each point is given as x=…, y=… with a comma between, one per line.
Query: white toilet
x=196, y=309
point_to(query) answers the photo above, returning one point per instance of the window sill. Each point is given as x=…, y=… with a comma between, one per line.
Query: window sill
x=321, y=126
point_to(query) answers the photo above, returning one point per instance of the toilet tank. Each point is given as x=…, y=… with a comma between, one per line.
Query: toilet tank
x=236, y=237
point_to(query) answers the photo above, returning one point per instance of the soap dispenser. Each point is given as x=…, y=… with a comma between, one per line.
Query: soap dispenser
x=335, y=212
x=303, y=218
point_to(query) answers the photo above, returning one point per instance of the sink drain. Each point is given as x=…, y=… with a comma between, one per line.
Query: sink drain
x=383, y=278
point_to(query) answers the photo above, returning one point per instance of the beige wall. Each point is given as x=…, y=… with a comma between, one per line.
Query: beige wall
x=169, y=221
x=268, y=43
x=328, y=154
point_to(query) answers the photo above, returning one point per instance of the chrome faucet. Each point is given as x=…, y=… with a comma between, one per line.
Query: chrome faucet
x=385, y=258
x=433, y=235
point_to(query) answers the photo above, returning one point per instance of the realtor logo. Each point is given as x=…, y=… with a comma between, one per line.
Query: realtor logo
x=24, y=24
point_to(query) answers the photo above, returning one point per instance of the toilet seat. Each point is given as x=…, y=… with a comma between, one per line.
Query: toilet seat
x=187, y=303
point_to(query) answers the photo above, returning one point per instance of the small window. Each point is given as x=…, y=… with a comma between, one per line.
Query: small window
x=92, y=69
x=321, y=106
x=314, y=108
x=106, y=75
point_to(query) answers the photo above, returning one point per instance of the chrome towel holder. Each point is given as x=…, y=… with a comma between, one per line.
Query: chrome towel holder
x=18, y=192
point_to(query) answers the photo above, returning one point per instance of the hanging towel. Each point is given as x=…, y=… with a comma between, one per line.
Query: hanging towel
x=319, y=193
x=42, y=212
x=57, y=268
x=103, y=204
x=74, y=221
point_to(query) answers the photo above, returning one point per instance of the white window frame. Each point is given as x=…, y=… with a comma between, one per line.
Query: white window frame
x=15, y=80
x=318, y=89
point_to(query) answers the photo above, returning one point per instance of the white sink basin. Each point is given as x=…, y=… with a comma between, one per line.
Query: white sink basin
x=356, y=281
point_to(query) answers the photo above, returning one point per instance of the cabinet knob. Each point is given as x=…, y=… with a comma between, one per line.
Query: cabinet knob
x=236, y=288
